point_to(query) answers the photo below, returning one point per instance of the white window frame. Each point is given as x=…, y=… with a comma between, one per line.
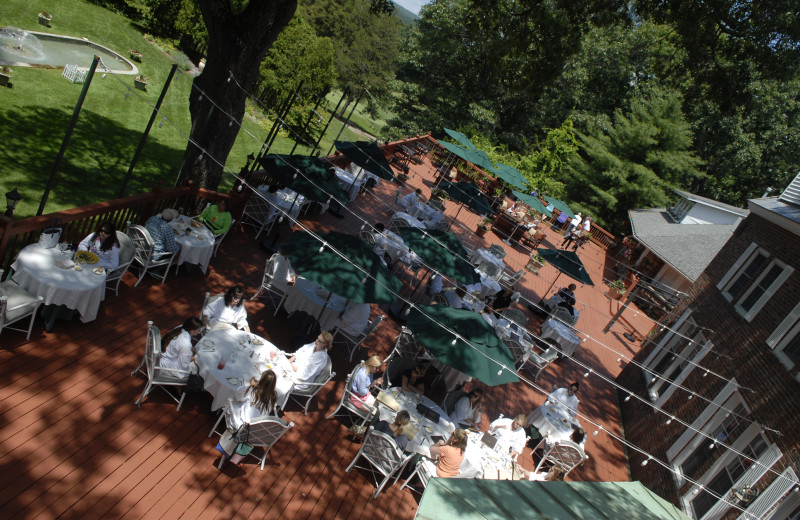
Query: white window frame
x=788, y=329
x=742, y=263
x=668, y=385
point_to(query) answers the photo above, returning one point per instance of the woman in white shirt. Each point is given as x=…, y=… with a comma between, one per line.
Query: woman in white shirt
x=104, y=244
x=256, y=399
x=468, y=409
x=227, y=312
x=178, y=354
x=310, y=360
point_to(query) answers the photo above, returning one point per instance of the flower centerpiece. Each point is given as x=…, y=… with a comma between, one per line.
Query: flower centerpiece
x=483, y=227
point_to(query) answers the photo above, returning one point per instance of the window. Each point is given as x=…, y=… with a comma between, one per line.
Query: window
x=785, y=340
x=752, y=280
x=707, y=451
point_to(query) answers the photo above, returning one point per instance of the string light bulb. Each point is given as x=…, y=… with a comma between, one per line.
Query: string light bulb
x=500, y=372
x=322, y=248
x=644, y=462
x=453, y=343
x=669, y=421
x=628, y=398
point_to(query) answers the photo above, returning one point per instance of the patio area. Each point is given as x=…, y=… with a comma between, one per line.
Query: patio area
x=73, y=443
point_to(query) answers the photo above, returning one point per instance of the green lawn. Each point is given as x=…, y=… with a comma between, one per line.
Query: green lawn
x=36, y=111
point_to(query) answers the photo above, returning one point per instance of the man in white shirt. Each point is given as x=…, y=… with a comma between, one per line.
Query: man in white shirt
x=310, y=359
x=410, y=201
x=355, y=318
x=510, y=434
x=574, y=223
x=562, y=398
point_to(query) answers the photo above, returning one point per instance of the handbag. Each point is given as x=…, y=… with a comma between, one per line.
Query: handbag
x=195, y=383
x=227, y=444
x=243, y=448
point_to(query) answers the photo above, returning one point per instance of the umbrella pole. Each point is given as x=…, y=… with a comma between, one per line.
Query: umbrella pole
x=551, y=286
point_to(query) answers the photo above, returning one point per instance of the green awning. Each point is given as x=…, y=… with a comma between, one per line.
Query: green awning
x=560, y=205
x=567, y=262
x=482, y=499
x=468, y=194
x=476, y=157
x=442, y=252
x=367, y=155
x=462, y=139
x=305, y=175
x=511, y=175
x=533, y=202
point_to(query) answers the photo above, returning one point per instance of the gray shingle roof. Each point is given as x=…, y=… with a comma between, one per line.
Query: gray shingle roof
x=689, y=248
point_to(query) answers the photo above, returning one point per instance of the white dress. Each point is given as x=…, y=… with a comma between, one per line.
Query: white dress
x=178, y=354
x=563, y=400
x=218, y=312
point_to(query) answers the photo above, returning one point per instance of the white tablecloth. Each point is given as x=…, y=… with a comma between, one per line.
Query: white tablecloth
x=284, y=199
x=220, y=343
x=479, y=457
x=553, y=422
x=348, y=182
x=397, y=249
x=305, y=296
x=487, y=286
x=408, y=219
x=35, y=270
x=486, y=262
x=196, y=248
x=561, y=334
x=422, y=211
x=421, y=442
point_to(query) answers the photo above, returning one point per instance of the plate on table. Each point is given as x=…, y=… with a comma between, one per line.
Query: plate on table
x=208, y=343
x=98, y=270
x=195, y=224
x=87, y=256
x=429, y=429
x=234, y=381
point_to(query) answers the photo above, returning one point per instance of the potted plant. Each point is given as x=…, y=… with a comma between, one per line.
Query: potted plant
x=401, y=178
x=140, y=82
x=45, y=18
x=483, y=227
x=5, y=76
x=535, y=262
x=135, y=55
x=616, y=289
x=438, y=194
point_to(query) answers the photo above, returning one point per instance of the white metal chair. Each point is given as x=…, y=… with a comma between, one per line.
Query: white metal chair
x=536, y=363
x=405, y=346
x=156, y=375
x=272, y=290
x=144, y=254
x=439, y=299
x=497, y=251
x=398, y=197
x=450, y=400
x=364, y=413
x=563, y=315
x=368, y=237
x=517, y=351
x=219, y=238
x=353, y=341
x=16, y=304
x=425, y=470
x=385, y=458
x=259, y=213
x=127, y=251
x=209, y=299
x=397, y=223
x=510, y=280
x=566, y=454
x=442, y=225
x=313, y=387
x=263, y=432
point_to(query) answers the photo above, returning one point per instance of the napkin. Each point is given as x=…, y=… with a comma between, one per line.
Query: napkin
x=65, y=262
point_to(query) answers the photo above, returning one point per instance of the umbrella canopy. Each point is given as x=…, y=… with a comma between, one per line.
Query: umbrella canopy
x=476, y=157
x=567, y=262
x=442, y=252
x=511, y=175
x=484, y=361
x=468, y=194
x=486, y=499
x=462, y=139
x=533, y=202
x=315, y=183
x=367, y=155
x=561, y=205
x=332, y=272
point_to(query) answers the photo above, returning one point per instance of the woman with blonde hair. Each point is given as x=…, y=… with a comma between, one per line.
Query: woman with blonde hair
x=256, y=399
x=450, y=454
x=396, y=429
x=556, y=473
x=364, y=380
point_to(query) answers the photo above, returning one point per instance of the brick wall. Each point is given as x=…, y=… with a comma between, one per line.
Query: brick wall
x=739, y=350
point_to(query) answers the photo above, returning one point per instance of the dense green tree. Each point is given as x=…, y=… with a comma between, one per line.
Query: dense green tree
x=633, y=160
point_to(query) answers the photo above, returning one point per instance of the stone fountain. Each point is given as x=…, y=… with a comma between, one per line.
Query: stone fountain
x=18, y=44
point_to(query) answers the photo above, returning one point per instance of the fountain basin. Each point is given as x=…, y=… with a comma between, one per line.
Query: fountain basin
x=58, y=50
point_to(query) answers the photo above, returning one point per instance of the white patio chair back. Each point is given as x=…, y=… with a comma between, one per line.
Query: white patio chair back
x=272, y=291
x=405, y=346
x=219, y=238
x=566, y=454
x=364, y=413
x=209, y=299
x=510, y=280
x=398, y=197
x=425, y=470
x=563, y=315
x=144, y=253
x=438, y=299
x=353, y=341
x=517, y=350
x=515, y=316
x=397, y=223
x=259, y=214
x=536, y=363
x=384, y=458
x=497, y=251
x=127, y=251
x=158, y=376
x=491, y=270
x=450, y=400
x=312, y=388
x=16, y=304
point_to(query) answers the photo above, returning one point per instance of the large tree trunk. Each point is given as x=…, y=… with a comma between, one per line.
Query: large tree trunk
x=237, y=43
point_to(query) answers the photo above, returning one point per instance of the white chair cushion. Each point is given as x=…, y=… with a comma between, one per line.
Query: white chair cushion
x=16, y=296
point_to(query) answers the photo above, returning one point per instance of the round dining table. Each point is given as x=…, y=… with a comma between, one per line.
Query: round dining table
x=408, y=400
x=196, y=246
x=308, y=297
x=246, y=355
x=553, y=421
x=35, y=271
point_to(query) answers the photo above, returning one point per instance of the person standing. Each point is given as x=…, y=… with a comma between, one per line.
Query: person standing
x=574, y=223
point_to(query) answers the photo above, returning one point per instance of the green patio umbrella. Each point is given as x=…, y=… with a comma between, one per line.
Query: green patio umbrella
x=476, y=157
x=533, y=202
x=469, y=195
x=303, y=174
x=510, y=175
x=566, y=262
x=367, y=155
x=332, y=272
x=561, y=205
x=485, y=355
x=442, y=252
x=462, y=139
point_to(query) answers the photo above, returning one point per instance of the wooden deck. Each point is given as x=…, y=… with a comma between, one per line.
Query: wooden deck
x=74, y=445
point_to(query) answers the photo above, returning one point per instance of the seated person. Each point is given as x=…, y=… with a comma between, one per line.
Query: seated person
x=104, y=244
x=310, y=360
x=162, y=234
x=562, y=398
x=395, y=429
x=227, y=312
x=455, y=299
x=468, y=409
x=449, y=454
x=510, y=434
x=178, y=354
x=409, y=202
x=502, y=300
x=434, y=284
x=556, y=473
x=282, y=273
x=354, y=318
x=567, y=294
x=363, y=382
x=488, y=315
x=256, y=399
x=413, y=379
x=435, y=218
x=217, y=218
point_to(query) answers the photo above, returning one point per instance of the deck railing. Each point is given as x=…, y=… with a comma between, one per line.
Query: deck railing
x=77, y=223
